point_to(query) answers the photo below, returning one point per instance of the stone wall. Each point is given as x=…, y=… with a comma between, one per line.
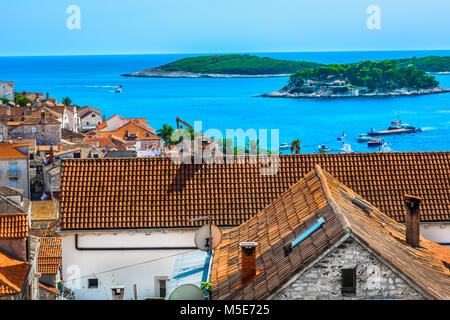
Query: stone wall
x=323, y=281
x=45, y=134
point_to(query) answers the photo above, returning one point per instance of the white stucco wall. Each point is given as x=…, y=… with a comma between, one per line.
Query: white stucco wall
x=85, y=264
x=22, y=181
x=438, y=232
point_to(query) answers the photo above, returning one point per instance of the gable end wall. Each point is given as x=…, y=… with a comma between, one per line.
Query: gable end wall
x=322, y=281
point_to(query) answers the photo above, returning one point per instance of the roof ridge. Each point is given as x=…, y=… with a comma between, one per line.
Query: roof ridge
x=329, y=198
x=14, y=205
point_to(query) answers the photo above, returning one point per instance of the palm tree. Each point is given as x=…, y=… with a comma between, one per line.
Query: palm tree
x=295, y=145
x=165, y=133
x=252, y=147
x=67, y=101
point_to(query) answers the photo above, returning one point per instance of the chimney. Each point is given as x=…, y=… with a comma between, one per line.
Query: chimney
x=50, y=157
x=42, y=117
x=412, y=220
x=248, y=269
x=46, y=95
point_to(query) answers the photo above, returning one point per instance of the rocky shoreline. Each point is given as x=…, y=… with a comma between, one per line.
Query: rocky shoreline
x=326, y=95
x=159, y=73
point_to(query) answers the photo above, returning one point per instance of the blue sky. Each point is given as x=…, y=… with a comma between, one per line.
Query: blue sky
x=210, y=26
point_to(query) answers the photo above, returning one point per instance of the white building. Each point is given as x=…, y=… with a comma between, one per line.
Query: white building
x=124, y=220
x=14, y=167
x=7, y=90
x=96, y=262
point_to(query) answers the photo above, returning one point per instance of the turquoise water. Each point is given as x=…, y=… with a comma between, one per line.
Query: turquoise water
x=228, y=103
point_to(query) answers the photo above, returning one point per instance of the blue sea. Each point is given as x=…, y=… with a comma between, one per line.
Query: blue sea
x=230, y=103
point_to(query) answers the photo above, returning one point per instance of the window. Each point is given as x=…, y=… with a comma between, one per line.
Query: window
x=92, y=283
x=93, y=115
x=348, y=280
x=161, y=286
x=77, y=155
x=95, y=156
x=147, y=134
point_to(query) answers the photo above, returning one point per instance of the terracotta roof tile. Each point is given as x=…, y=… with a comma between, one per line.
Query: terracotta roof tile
x=13, y=274
x=48, y=288
x=319, y=195
x=13, y=226
x=156, y=192
x=50, y=255
x=11, y=151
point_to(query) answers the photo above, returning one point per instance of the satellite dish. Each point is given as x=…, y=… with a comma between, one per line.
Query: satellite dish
x=187, y=292
x=208, y=237
x=33, y=130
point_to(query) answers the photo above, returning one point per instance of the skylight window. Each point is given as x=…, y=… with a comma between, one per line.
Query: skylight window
x=303, y=236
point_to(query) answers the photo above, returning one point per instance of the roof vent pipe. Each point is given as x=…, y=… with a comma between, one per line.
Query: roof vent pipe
x=412, y=220
x=248, y=261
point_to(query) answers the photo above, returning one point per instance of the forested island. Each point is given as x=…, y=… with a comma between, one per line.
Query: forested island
x=225, y=66
x=244, y=65
x=366, y=78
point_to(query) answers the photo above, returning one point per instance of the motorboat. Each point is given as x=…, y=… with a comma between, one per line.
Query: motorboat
x=323, y=148
x=363, y=137
x=375, y=142
x=118, y=89
x=284, y=146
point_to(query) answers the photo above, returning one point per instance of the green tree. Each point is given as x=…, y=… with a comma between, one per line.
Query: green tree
x=165, y=133
x=21, y=100
x=67, y=101
x=295, y=146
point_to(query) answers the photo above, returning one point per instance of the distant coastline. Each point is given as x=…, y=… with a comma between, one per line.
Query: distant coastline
x=404, y=92
x=159, y=73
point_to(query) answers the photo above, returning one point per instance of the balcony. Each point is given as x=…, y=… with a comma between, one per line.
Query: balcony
x=13, y=174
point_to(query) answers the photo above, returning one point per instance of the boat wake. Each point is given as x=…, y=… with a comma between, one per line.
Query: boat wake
x=428, y=128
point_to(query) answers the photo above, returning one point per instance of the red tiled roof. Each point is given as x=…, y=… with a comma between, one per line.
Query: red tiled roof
x=156, y=192
x=319, y=195
x=50, y=255
x=13, y=274
x=49, y=288
x=11, y=151
x=13, y=226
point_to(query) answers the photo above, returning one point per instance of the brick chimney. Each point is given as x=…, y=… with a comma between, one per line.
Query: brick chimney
x=248, y=268
x=42, y=117
x=50, y=157
x=412, y=220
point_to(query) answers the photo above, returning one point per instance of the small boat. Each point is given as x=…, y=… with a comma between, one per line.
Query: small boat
x=118, y=89
x=375, y=142
x=346, y=148
x=284, y=146
x=363, y=137
x=323, y=148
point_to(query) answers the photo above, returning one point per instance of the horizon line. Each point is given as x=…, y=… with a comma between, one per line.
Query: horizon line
x=209, y=53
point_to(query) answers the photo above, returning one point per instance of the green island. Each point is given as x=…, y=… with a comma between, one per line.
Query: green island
x=244, y=65
x=366, y=78
x=233, y=65
x=431, y=64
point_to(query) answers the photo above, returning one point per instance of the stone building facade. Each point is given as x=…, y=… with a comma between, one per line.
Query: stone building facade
x=323, y=280
x=45, y=134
